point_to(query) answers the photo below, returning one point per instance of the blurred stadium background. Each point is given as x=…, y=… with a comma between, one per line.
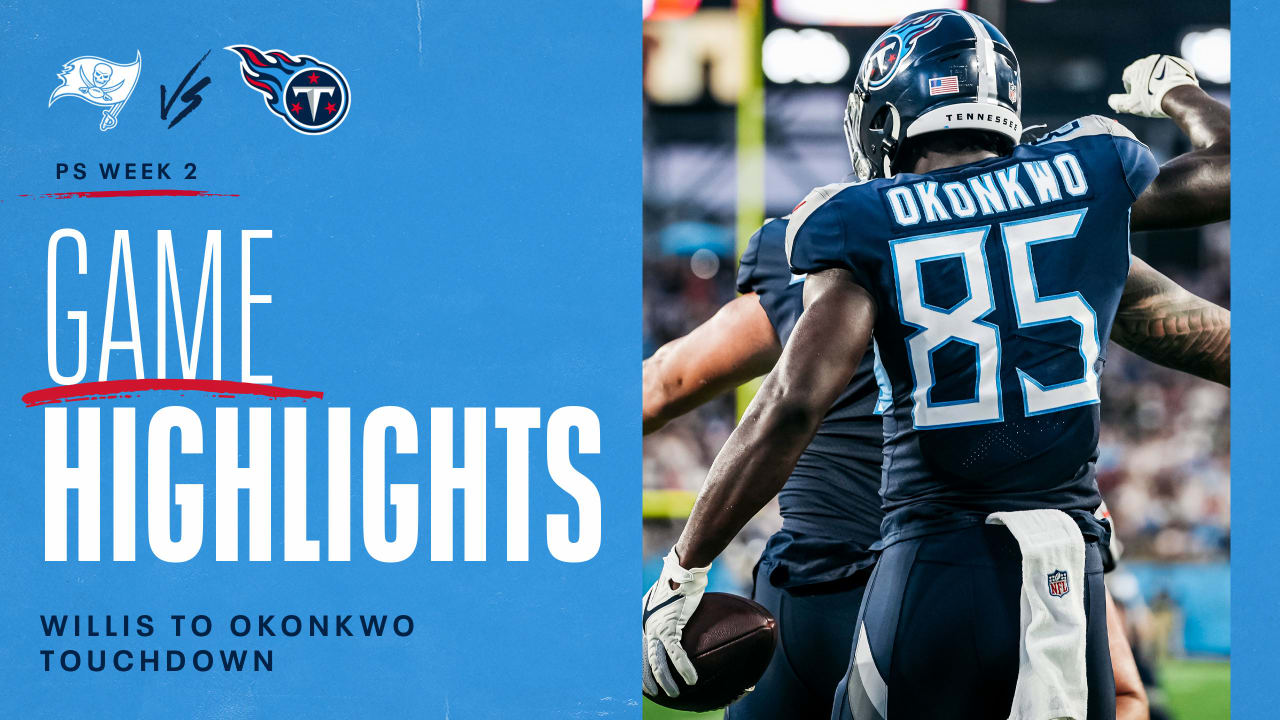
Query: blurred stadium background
x=743, y=103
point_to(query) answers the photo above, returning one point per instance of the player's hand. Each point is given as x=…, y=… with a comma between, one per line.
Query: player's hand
x=1147, y=80
x=666, y=612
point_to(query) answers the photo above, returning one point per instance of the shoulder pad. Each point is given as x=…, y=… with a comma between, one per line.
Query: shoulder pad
x=1085, y=126
x=814, y=200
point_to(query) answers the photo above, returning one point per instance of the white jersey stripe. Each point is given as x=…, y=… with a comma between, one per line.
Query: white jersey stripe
x=987, y=90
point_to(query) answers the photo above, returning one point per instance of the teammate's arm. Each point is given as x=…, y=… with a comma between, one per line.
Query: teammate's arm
x=820, y=358
x=1193, y=188
x=1131, y=696
x=1168, y=325
x=736, y=344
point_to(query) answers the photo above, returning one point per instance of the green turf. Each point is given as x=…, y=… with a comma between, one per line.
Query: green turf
x=657, y=712
x=1195, y=690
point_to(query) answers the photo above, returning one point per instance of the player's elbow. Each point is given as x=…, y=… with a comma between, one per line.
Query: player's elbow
x=779, y=412
x=1220, y=139
x=799, y=417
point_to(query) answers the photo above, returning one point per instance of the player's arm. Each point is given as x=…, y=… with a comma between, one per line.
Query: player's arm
x=1131, y=696
x=1168, y=325
x=820, y=358
x=736, y=344
x=1195, y=187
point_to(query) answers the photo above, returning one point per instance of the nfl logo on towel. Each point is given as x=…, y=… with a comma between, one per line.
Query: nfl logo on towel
x=1058, y=583
x=944, y=85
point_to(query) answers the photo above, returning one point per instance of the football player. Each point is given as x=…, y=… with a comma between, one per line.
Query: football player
x=812, y=572
x=1170, y=180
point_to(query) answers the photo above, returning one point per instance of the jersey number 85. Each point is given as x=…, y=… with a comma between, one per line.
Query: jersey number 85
x=965, y=321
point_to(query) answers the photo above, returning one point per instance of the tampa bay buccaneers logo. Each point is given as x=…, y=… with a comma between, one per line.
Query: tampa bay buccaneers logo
x=310, y=96
x=894, y=48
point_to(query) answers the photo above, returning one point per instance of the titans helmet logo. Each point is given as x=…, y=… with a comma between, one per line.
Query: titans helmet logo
x=310, y=96
x=894, y=48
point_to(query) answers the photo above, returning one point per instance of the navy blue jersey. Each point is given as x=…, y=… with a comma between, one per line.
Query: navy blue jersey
x=831, y=503
x=996, y=284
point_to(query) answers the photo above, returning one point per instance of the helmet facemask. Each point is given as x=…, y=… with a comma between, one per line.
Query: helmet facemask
x=852, y=119
x=883, y=135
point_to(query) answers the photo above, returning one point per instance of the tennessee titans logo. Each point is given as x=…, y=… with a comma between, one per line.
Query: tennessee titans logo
x=310, y=96
x=895, y=47
x=1058, y=583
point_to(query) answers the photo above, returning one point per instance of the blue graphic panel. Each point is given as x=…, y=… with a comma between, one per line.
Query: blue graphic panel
x=438, y=229
x=1255, y=585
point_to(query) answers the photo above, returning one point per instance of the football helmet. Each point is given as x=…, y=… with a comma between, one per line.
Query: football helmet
x=933, y=71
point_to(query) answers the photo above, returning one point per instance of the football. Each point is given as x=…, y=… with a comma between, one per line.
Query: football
x=730, y=640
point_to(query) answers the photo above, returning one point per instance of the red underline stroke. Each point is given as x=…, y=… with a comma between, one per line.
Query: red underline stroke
x=115, y=389
x=128, y=193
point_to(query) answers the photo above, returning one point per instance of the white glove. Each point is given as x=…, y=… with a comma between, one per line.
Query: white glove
x=1147, y=80
x=666, y=612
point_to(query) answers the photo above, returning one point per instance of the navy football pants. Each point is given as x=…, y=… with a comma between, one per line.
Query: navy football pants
x=940, y=629
x=815, y=632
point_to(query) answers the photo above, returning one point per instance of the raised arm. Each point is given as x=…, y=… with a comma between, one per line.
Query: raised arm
x=736, y=344
x=1205, y=121
x=1168, y=325
x=1195, y=187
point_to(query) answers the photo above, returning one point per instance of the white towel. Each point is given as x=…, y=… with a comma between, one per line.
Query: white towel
x=1051, y=673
